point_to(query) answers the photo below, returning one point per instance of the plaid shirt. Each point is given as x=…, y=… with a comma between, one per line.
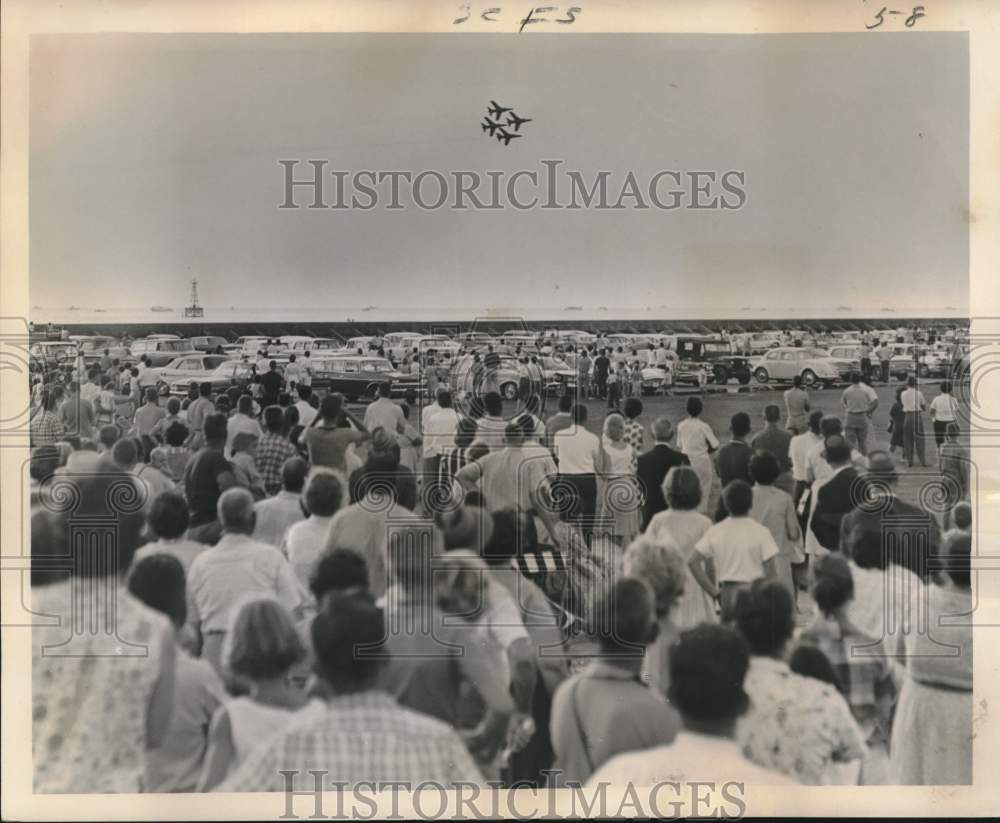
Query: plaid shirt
x=362, y=737
x=272, y=451
x=46, y=429
x=866, y=679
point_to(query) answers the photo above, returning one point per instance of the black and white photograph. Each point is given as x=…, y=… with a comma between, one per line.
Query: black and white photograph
x=511, y=405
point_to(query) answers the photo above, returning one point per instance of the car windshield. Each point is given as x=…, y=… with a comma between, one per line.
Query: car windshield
x=176, y=345
x=376, y=365
x=715, y=348
x=816, y=353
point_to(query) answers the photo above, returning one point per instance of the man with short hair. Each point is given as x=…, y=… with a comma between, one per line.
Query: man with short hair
x=199, y=409
x=293, y=371
x=77, y=414
x=797, y=406
x=777, y=441
x=364, y=734
x=514, y=477
x=733, y=459
x=909, y=535
x=148, y=417
x=859, y=401
x=273, y=449
x=708, y=666
x=127, y=454
x=207, y=475
x=276, y=514
x=307, y=412
x=602, y=368
x=865, y=358
x=562, y=419
x=439, y=422
x=491, y=365
x=233, y=570
x=271, y=383
x=167, y=519
x=583, y=364
x=885, y=360
x=914, y=405
x=581, y=459
x=242, y=422
x=836, y=495
x=327, y=440
x=304, y=541
x=383, y=412
x=652, y=468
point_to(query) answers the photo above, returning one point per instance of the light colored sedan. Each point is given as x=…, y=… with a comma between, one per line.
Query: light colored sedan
x=812, y=365
x=190, y=367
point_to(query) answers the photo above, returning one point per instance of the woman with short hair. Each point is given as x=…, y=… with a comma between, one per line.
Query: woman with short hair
x=260, y=651
x=682, y=526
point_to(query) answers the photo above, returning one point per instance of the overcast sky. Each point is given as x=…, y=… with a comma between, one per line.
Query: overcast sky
x=154, y=158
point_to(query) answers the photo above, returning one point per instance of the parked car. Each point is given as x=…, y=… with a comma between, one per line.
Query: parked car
x=187, y=368
x=160, y=350
x=313, y=345
x=812, y=365
x=356, y=376
x=228, y=373
x=701, y=355
x=52, y=354
x=92, y=348
x=364, y=343
x=208, y=343
x=556, y=374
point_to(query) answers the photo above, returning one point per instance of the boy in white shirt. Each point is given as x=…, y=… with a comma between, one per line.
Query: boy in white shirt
x=741, y=550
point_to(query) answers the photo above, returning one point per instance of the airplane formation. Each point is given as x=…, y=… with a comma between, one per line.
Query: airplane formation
x=504, y=130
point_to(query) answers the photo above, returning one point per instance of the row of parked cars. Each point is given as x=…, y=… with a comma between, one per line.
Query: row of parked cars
x=356, y=368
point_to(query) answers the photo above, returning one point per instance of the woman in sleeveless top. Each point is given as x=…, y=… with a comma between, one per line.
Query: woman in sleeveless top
x=262, y=648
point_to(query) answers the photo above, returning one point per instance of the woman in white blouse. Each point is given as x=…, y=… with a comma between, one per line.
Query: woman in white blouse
x=697, y=440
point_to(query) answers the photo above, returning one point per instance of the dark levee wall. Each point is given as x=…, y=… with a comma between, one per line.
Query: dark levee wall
x=345, y=330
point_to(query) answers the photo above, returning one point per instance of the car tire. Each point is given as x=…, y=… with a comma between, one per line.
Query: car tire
x=509, y=391
x=809, y=377
x=371, y=391
x=923, y=370
x=162, y=388
x=761, y=375
x=720, y=374
x=744, y=378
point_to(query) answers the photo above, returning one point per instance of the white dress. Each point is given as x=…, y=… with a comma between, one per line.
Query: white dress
x=91, y=685
x=682, y=530
x=695, y=437
x=622, y=506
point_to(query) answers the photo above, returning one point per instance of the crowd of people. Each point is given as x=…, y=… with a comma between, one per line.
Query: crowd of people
x=428, y=593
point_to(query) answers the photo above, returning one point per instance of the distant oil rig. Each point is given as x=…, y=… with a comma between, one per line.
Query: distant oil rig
x=194, y=310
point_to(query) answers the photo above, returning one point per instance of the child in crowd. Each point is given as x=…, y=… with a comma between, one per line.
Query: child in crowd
x=740, y=548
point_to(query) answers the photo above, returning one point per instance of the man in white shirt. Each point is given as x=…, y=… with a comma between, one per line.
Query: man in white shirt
x=944, y=410
x=235, y=568
x=276, y=514
x=306, y=411
x=515, y=477
x=439, y=429
x=914, y=405
x=306, y=370
x=708, y=666
x=383, y=412
x=242, y=422
x=303, y=541
x=429, y=411
x=581, y=459
x=859, y=401
x=293, y=371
